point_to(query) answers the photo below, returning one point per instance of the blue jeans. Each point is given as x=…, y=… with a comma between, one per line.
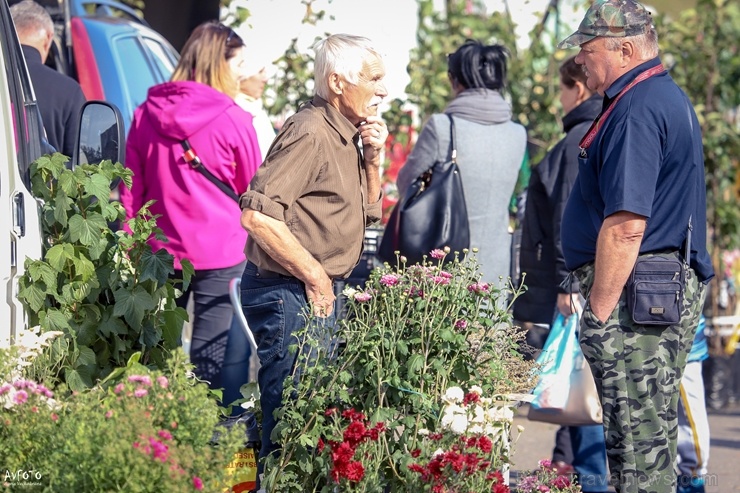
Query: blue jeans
x=275, y=307
x=589, y=457
x=235, y=371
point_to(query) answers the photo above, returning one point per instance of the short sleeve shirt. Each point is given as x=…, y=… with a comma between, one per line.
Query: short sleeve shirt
x=313, y=179
x=647, y=158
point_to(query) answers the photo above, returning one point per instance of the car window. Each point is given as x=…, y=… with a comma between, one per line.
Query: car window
x=137, y=71
x=162, y=58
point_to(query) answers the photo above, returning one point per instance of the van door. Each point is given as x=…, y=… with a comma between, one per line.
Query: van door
x=20, y=144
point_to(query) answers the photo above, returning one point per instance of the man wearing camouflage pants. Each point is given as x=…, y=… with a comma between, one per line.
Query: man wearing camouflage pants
x=640, y=185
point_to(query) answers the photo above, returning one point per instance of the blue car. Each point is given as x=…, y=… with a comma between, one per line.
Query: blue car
x=110, y=50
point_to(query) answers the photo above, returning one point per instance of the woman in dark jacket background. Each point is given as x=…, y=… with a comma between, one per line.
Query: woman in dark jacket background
x=550, y=183
x=541, y=262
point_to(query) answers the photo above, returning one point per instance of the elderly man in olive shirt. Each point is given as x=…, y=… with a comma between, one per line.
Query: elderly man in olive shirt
x=308, y=205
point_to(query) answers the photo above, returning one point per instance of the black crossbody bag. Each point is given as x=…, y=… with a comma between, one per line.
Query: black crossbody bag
x=195, y=162
x=655, y=288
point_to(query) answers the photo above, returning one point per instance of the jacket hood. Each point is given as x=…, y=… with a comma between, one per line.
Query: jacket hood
x=179, y=109
x=484, y=106
x=586, y=111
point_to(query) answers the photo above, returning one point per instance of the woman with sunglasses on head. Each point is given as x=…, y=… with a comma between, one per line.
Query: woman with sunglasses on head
x=490, y=150
x=196, y=109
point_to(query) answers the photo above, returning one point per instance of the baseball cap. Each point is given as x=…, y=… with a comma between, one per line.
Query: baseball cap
x=610, y=18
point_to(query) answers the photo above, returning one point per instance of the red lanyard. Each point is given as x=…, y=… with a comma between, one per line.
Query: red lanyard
x=596, y=125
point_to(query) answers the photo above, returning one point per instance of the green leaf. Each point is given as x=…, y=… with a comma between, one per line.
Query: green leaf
x=173, y=322
x=62, y=204
x=58, y=255
x=84, y=268
x=156, y=266
x=133, y=305
x=42, y=271
x=78, y=379
x=68, y=184
x=85, y=357
x=56, y=320
x=86, y=230
x=111, y=324
x=150, y=335
x=98, y=186
x=34, y=296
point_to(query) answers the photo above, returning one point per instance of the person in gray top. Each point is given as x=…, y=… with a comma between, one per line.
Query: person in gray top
x=490, y=149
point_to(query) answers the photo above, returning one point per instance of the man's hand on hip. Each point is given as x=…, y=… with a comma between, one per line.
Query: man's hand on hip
x=321, y=296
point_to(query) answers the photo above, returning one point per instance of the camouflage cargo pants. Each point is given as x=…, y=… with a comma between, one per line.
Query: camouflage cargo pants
x=638, y=369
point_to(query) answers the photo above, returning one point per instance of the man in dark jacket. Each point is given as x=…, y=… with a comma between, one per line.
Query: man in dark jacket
x=60, y=97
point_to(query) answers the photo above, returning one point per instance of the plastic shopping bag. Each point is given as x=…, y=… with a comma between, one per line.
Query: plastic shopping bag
x=565, y=392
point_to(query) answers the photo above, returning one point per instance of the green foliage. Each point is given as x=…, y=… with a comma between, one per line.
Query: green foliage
x=408, y=336
x=142, y=431
x=701, y=50
x=107, y=291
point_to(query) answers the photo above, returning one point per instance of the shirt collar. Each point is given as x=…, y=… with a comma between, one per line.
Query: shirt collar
x=628, y=77
x=338, y=121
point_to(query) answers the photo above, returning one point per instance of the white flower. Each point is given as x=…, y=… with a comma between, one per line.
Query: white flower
x=454, y=395
x=519, y=428
x=423, y=432
x=476, y=390
x=501, y=413
x=479, y=415
x=476, y=430
x=437, y=452
x=450, y=412
x=459, y=424
x=349, y=292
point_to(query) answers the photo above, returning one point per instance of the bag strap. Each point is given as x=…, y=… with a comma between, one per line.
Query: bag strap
x=687, y=247
x=194, y=161
x=453, y=141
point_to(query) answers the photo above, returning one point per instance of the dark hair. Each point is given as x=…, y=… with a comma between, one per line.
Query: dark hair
x=476, y=66
x=571, y=72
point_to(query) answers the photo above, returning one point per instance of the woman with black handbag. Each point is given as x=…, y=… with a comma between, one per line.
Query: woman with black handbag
x=490, y=148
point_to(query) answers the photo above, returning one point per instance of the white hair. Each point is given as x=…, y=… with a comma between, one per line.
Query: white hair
x=646, y=44
x=343, y=54
x=30, y=18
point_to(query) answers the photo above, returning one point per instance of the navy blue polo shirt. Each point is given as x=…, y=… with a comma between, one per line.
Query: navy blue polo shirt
x=647, y=159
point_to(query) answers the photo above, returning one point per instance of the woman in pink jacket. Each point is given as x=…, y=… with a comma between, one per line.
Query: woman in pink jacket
x=200, y=221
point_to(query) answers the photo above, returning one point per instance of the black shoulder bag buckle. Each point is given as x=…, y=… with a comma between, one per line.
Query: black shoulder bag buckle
x=194, y=161
x=655, y=288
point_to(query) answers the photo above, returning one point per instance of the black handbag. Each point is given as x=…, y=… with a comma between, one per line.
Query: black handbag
x=431, y=215
x=655, y=288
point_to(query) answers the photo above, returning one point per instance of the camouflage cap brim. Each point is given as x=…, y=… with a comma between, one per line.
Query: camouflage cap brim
x=574, y=40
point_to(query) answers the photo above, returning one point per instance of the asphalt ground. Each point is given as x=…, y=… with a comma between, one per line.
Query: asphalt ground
x=537, y=439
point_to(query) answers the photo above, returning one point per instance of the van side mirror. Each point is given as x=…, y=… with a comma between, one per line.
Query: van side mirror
x=101, y=134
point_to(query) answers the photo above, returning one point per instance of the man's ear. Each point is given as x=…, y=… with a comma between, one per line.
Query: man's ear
x=47, y=43
x=628, y=52
x=336, y=84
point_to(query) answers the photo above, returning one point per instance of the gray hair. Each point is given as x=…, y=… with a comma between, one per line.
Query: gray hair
x=646, y=44
x=340, y=53
x=30, y=18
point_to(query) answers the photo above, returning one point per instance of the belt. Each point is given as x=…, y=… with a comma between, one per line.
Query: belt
x=268, y=274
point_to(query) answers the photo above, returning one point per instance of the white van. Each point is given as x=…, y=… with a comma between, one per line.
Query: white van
x=21, y=143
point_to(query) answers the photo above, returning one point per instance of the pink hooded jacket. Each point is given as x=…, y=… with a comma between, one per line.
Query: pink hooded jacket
x=200, y=221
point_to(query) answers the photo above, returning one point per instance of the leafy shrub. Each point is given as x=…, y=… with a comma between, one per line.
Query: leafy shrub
x=409, y=335
x=105, y=290
x=143, y=431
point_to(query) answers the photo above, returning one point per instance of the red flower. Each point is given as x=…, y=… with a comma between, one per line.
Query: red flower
x=561, y=482
x=485, y=444
x=415, y=453
x=320, y=445
x=354, y=471
x=355, y=433
x=471, y=398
